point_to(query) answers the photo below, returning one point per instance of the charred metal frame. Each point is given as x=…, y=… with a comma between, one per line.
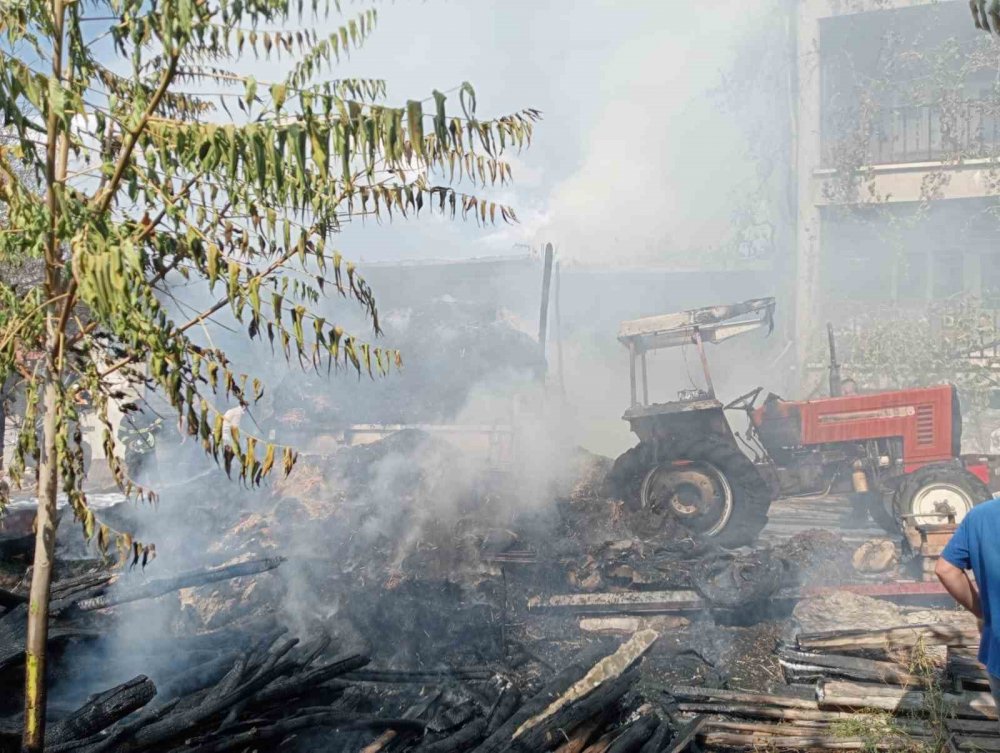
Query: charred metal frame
x=692, y=327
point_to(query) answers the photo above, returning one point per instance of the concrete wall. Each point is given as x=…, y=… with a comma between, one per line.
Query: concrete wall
x=891, y=184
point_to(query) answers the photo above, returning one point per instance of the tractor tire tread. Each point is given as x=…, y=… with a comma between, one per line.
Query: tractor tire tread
x=958, y=475
x=751, y=495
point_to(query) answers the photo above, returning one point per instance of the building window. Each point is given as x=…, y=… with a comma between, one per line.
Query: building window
x=948, y=273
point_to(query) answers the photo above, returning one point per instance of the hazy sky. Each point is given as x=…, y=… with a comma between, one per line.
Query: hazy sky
x=634, y=159
x=633, y=154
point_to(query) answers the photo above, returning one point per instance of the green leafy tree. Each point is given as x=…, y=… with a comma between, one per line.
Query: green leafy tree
x=144, y=177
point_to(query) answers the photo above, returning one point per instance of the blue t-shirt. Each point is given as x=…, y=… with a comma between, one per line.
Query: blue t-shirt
x=975, y=546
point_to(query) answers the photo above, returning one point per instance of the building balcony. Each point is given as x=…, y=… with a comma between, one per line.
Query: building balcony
x=907, y=150
x=921, y=133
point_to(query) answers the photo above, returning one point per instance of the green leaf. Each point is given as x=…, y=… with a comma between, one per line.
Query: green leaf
x=415, y=122
x=212, y=264
x=250, y=85
x=278, y=93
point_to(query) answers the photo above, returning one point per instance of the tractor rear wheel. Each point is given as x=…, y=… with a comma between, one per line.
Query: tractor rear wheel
x=929, y=494
x=705, y=487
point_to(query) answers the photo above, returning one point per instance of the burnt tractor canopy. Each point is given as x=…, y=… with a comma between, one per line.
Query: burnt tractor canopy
x=687, y=475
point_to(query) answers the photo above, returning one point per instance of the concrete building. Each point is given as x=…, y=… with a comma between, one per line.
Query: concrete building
x=897, y=134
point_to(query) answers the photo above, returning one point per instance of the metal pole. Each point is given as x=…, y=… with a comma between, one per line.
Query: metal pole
x=631, y=371
x=704, y=362
x=835, y=385
x=543, y=320
x=645, y=381
x=559, y=344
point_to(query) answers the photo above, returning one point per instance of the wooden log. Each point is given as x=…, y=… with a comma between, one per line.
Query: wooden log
x=635, y=735
x=305, y=682
x=504, y=708
x=181, y=723
x=547, y=732
x=687, y=735
x=972, y=726
x=465, y=737
x=198, y=677
x=799, y=664
x=602, y=744
x=13, y=631
x=860, y=689
x=794, y=730
x=604, y=671
x=856, y=696
x=688, y=693
x=889, y=638
x=103, y=710
x=500, y=738
x=110, y=738
x=755, y=711
x=581, y=736
x=801, y=742
x=970, y=743
x=162, y=586
x=285, y=727
x=655, y=743
x=419, y=677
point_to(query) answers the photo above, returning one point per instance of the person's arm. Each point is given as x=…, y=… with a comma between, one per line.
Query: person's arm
x=956, y=582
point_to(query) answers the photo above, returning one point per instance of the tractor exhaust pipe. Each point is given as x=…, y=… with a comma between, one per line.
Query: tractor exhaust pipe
x=835, y=384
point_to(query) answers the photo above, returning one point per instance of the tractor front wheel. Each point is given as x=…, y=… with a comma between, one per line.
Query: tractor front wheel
x=705, y=487
x=932, y=493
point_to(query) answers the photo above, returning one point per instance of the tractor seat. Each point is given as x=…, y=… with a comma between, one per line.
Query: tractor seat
x=778, y=423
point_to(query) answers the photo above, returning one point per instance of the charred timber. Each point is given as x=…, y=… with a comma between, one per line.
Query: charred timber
x=548, y=732
x=279, y=730
x=687, y=735
x=162, y=586
x=419, y=677
x=501, y=736
x=799, y=665
x=103, y=710
x=633, y=737
x=466, y=736
x=800, y=742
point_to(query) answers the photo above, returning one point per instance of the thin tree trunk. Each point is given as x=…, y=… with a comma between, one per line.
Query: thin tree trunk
x=56, y=157
x=3, y=421
x=41, y=580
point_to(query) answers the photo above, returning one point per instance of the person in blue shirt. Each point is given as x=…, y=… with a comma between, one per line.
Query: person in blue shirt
x=975, y=546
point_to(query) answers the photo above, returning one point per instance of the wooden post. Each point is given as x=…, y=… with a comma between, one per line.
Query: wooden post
x=543, y=317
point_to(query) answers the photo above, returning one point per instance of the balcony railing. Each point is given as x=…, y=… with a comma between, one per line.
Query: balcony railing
x=921, y=133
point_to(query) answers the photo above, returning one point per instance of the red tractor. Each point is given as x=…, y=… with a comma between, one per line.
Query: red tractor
x=898, y=451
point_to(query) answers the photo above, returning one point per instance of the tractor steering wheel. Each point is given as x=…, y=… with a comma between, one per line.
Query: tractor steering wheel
x=744, y=402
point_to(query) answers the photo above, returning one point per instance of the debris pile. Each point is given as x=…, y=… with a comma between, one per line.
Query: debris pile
x=856, y=690
x=416, y=608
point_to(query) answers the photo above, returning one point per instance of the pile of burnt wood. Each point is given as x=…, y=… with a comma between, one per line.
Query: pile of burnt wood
x=858, y=690
x=251, y=687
